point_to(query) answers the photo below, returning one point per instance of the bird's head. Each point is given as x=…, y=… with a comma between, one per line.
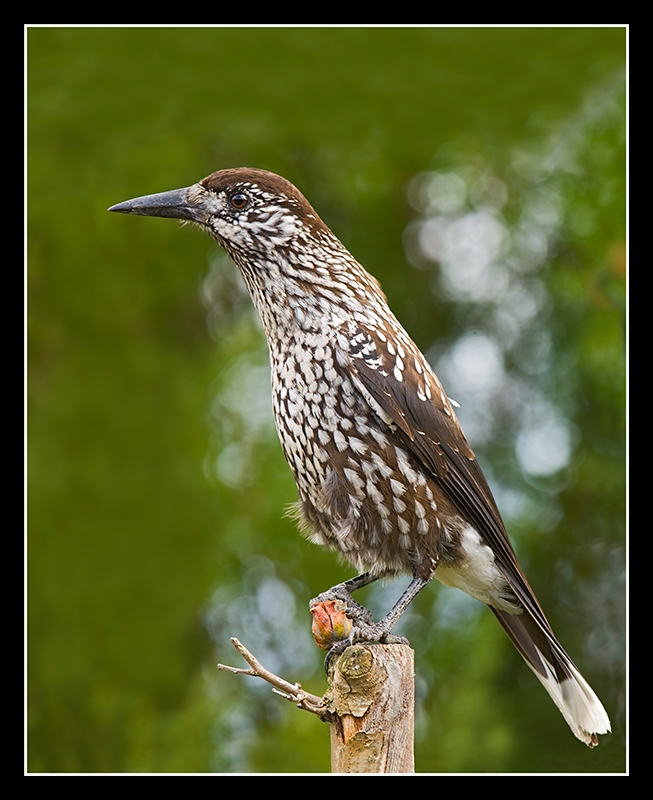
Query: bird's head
x=251, y=212
x=296, y=270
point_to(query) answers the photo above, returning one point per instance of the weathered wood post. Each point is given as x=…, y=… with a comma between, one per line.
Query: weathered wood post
x=369, y=705
x=371, y=699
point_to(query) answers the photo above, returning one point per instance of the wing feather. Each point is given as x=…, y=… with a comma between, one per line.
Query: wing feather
x=429, y=429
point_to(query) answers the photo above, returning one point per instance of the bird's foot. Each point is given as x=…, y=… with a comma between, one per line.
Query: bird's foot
x=341, y=597
x=339, y=621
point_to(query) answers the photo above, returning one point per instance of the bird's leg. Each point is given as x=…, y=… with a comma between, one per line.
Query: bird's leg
x=382, y=628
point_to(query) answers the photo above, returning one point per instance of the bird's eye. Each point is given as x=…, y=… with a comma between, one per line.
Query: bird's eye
x=239, y=200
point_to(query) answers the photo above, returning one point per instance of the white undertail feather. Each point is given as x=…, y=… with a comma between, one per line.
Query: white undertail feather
x=578, y=704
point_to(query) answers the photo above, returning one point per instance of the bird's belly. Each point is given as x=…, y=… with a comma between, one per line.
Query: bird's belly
x=360, y=492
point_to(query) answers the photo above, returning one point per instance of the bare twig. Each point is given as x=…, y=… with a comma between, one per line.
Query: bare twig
x=290, y=691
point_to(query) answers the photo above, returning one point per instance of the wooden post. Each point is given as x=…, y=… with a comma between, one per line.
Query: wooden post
x=371, y=697
x=369, y=705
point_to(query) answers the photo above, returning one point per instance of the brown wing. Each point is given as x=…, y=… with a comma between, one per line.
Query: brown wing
x=429, y=430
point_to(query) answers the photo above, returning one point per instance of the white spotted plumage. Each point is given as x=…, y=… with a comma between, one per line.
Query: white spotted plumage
x=384, y=473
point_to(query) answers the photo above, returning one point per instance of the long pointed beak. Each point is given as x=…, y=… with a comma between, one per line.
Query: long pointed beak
x=166, y=204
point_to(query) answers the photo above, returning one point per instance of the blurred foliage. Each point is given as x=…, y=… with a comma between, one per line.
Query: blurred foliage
x=156, y=484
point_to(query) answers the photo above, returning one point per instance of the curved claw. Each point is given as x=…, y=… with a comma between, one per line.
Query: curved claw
x=336, y=650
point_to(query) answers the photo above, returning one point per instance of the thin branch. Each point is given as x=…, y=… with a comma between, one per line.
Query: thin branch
x=290, y=691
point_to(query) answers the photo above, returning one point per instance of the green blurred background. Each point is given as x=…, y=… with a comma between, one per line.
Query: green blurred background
x=156, y=484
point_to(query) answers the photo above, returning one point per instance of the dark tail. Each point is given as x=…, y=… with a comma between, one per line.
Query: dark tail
x=569, y=690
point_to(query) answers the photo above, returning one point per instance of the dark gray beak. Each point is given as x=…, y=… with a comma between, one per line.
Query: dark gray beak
x=166, y=204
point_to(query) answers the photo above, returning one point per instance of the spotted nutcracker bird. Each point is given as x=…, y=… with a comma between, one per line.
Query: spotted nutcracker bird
x=384, y=472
